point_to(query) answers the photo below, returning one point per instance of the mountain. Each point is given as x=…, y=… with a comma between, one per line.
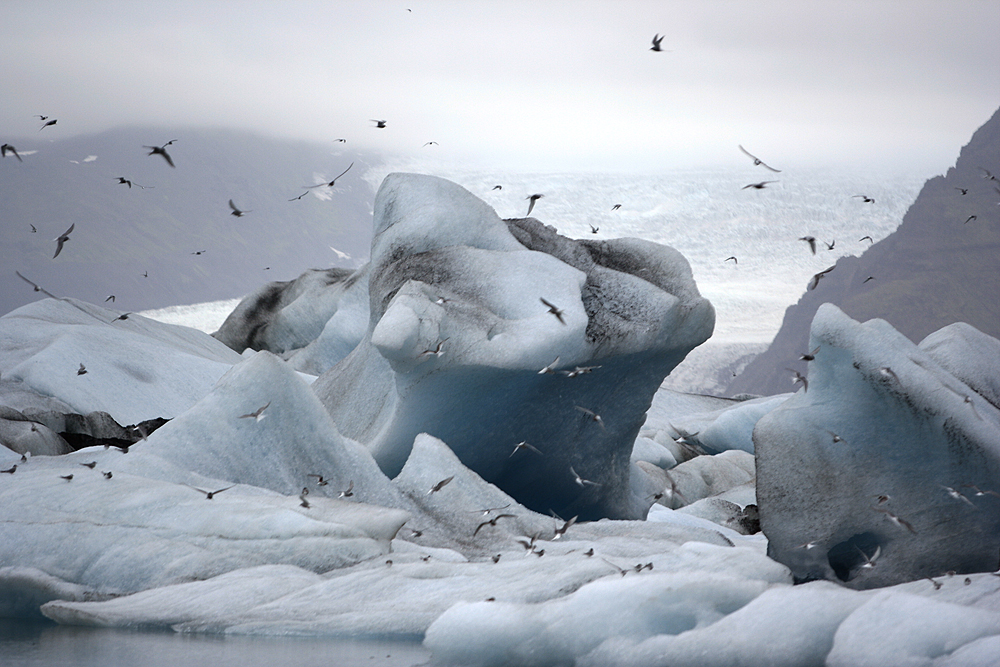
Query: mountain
x=142, y=244
x=938, y=267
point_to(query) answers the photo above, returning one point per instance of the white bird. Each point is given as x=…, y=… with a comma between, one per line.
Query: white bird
x=580, y=481
x=757, y=162
x=61, y=239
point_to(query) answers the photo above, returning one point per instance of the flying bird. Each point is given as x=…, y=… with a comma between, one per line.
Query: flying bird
x=40, y=117
x=320, y=480
x=865, y=199
x=330, y=184
x=819, y=276
x=46, y=124
x=33, y=228
x=161, y=150
x=757, y=186
x=437, y=351
x=348, y=492
x=497, y=187
x=897, y=521
x=830, y=245
x=970, y=219
x=8, y=148
x=493, y=522
x=61, y=239
x=579, y=370
x=869, y=562
x=592, y=415
x=531, y=203
x=809, y=356
x=811, y=240
x=123, y=316
x=561, y=530
x=580, y=481
x=964, y=191
x=209, y=494
x=257, y=414
x=957, y=495
x=616, y=207
x=554, y=310
x=593, y=230
x=378, y=123
x=300, y=196
x=757, y=162
x=799, y=377
x=867, y=279
x=870, y=239
x=736, y=261
x=237, y=212
x=987, y=174
x=440, y=485
x=550, y=369
x=524, y=445
x=430, y=143
x=657, y=40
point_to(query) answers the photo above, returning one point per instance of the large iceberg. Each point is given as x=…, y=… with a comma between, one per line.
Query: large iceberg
x=466, y=310
x=885, y=469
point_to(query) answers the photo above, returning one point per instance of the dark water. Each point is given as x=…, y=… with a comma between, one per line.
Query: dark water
x=24, y=644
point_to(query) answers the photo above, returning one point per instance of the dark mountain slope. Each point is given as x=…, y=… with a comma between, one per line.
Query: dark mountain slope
x=122, y=233
x=935, y=269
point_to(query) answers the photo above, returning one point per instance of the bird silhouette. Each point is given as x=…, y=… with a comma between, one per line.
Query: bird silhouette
x=161, y=150
x=531, y=203
x=865, y=199
x=657, y=40
x=237, y=212
x=580, y=481
x=209, y=494
x=554, y=310
x=330, y=184
x=440, y=485
x=378, y=123
x=593, y=416
x=870, y=239
x=731, y=258
x=61, y=239
x=757, y=186
x=524, y=445
x=257, y=414
x=811, y=240
x=7, y=148
x=758, y=162
x=819, y=276
x=46, y=124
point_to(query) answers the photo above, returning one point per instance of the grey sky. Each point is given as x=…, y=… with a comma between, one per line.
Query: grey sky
x=532, y=86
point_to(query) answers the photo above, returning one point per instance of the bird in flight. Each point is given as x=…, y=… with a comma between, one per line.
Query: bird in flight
x=40, y=117
x=348, y=492
x=378, y=123
x=493, y=521
x=757, y=162
x=971, y=218
x=46, y=124
x=593, y=230
x=657, y=40
x=865, y=199
x=964, y=191
x=440, y=485
x=799, y=377
x=497, y=187
x=809, y=356
x=736, y=261
x=161, y=150
x=82, y=370
x=257, y=414
x=554, y=310
x=550, y=369
x=431, y=143
x=320, y=480
x=819, y=276
x=437, y=351
x=757, y=186
x=61, y=239
x=870, y=239
x=330, y=184
x=524, y=445
x=124, y=181
x=811, y=240
x=237, y=212
x=593, y=416
x=300, y=196
x=8, y=148
x=897, y=521
x=209, y=494
x=531, y=203
x=340, y=141
x=580, y=481
x=830, y=245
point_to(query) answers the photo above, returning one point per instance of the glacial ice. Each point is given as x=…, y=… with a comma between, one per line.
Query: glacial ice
x=882, y=459
x=136, y=369
x=364, y=555
x=459, y=324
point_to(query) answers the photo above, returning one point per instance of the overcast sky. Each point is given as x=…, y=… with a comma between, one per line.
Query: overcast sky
x=532, y=86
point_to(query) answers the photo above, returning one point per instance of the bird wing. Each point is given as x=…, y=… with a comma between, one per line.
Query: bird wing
x=233, y=206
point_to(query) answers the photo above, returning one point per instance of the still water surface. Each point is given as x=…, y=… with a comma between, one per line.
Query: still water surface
x=27, y=644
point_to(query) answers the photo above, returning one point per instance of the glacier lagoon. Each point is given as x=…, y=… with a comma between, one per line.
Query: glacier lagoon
x=708, y=594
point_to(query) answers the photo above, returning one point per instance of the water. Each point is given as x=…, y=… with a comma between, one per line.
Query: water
x=708, y=217
x=25, y=644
